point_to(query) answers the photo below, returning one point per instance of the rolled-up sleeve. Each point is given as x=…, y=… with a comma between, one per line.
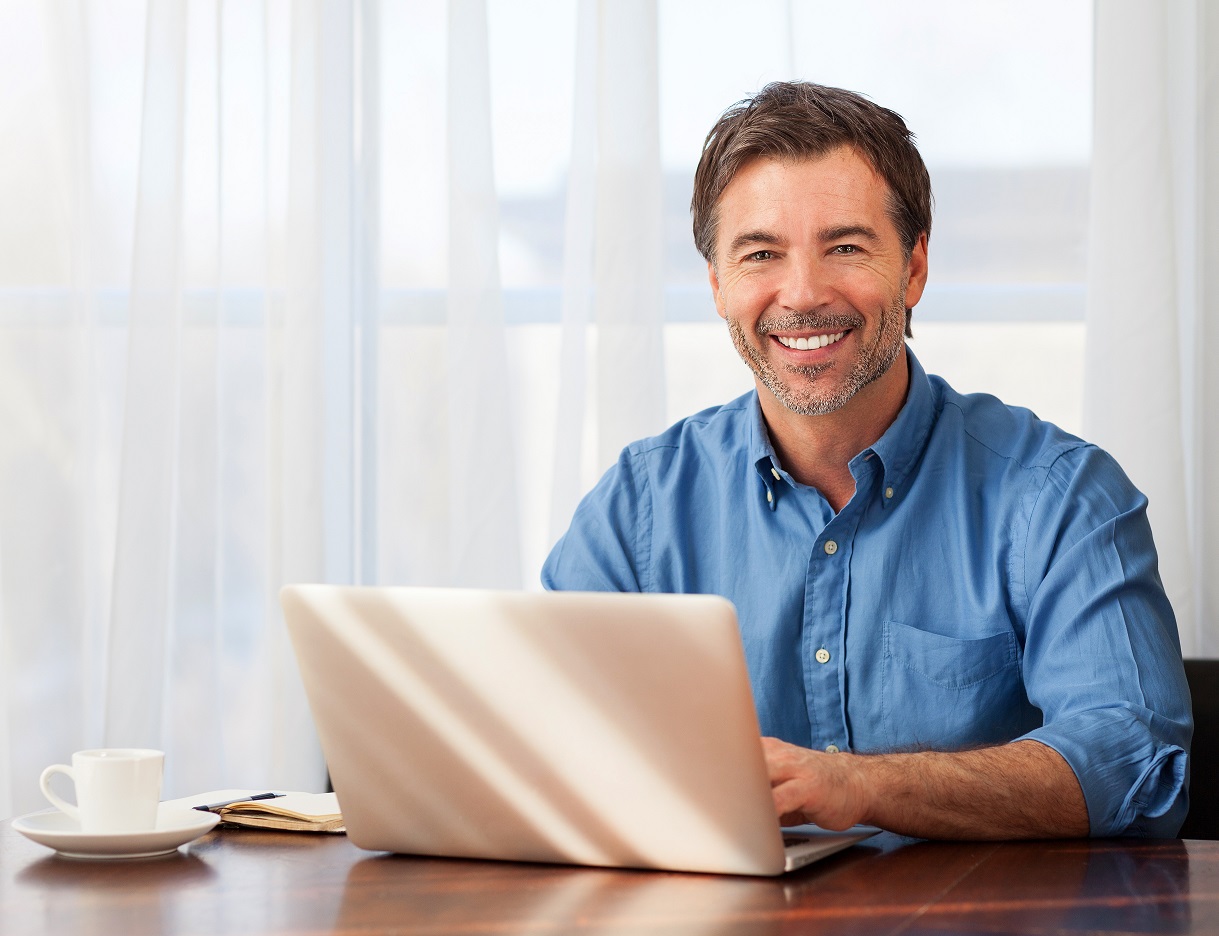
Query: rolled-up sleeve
x=1102, y=657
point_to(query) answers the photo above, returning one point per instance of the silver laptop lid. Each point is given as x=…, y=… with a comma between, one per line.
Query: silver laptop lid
x=598, y=729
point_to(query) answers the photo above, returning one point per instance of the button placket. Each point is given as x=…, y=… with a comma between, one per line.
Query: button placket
x=825, y=618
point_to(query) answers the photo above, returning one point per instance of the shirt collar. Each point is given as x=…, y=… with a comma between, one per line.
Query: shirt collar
x=762, y=453
x=899, y=449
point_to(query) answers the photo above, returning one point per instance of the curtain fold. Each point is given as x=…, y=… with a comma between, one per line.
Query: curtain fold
x=1206, y=346
x=629, y=304
x=479, y=478
x=579, y=220
x=297, y=415
x=1151, y=308
x=143, y=594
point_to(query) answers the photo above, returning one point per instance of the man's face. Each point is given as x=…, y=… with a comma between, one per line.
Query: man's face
x=811, y=276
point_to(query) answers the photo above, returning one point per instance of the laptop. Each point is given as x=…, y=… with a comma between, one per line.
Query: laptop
x=595, y=729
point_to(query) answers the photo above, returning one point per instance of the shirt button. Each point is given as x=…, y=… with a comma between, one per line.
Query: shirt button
x=831, y=749
x=775, y=472
x=830, y=547
x=888, y=492
x=822, y=655
x=770, y=498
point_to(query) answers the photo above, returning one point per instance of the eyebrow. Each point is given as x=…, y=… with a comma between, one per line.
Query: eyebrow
x=842, y=232
x=846, y=231
x=752, y=237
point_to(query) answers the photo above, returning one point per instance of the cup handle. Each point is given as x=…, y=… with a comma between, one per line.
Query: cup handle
x=45, y=783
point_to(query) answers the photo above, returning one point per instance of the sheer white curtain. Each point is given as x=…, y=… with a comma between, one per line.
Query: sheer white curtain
x=207, y=387
x=360, y=290
x=163, y=440
x=612, y=248
x=1151, y=390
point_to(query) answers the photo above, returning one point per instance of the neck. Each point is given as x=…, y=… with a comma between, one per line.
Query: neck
x=817, y=450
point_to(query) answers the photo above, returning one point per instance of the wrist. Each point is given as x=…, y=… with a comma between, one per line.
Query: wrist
x=859, y=786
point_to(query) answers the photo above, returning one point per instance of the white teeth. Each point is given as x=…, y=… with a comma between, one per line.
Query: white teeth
x=804, y=344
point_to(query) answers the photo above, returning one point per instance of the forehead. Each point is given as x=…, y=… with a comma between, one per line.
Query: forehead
x=838, y=188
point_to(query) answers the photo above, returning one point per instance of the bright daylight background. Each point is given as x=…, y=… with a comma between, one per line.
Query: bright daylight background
x=364, y=291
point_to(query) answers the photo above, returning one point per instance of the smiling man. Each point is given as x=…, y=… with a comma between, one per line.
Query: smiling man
x=951, y=610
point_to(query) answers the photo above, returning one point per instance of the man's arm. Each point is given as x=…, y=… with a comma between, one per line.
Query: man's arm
x=1019, y=790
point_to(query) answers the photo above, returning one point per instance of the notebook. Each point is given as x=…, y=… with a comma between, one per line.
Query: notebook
x=585, y=728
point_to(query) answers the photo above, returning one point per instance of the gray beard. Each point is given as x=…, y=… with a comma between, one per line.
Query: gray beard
x=873, y=361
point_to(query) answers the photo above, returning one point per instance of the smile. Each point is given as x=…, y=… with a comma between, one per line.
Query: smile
x=805, y=344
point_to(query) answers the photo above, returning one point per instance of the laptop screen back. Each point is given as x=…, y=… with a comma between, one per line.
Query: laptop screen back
x=598, y=729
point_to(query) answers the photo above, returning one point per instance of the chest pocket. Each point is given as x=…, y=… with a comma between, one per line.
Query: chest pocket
x=945, y=693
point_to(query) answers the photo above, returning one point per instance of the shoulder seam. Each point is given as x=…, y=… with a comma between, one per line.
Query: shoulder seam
x=643, y=528
x=1056, y=451
x=1046, y=471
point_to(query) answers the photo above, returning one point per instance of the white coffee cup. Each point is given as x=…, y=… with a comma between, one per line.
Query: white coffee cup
x=117, y=789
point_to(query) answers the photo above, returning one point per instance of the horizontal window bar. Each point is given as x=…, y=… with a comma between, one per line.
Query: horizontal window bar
x=944, y=302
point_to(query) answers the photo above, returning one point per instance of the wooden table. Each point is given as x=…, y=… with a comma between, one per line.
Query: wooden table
x=247, y=881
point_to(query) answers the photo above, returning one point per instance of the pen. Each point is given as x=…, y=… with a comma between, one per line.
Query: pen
x=241, y=799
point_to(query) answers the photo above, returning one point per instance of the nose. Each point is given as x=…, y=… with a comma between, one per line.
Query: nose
x=807, y=285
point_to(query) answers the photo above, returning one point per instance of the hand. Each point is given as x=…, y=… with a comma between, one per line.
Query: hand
x=812, y=786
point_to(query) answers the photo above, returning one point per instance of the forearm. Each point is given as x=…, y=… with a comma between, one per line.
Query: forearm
x=1018, y=790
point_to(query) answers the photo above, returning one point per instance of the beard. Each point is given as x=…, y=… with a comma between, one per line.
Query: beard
x=812, y=390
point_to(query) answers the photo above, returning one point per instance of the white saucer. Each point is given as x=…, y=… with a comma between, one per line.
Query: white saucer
x=176, y=825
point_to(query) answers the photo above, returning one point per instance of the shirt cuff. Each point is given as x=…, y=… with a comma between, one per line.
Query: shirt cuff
x=1132, y=775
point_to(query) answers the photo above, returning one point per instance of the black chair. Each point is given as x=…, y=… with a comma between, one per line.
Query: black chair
x=1203, y=819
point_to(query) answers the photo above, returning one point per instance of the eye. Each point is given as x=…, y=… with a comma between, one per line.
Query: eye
x=845, y=250
x=760, y=255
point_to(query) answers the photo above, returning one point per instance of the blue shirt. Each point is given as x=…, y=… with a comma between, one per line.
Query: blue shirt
x=992, y=578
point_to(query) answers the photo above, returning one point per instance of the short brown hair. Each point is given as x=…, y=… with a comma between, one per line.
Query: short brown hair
x=798, y=120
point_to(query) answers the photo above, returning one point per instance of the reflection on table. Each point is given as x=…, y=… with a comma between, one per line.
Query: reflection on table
x=275, y=882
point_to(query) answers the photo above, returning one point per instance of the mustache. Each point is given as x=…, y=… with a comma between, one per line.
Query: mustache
x=809, y=321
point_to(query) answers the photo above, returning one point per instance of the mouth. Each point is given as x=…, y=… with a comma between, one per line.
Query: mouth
x=809, y=342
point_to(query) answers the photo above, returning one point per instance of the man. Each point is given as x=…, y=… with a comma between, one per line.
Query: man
x=951, y=610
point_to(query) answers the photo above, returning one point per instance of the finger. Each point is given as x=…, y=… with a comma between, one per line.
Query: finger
x=809, y=799
x=782, y=759
x=790, y=797
x=776, y=747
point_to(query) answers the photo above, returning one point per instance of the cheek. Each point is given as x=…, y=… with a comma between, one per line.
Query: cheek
x=746, y=292
x=872, y=297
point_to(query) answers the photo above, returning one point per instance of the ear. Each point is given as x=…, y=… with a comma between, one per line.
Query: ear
x=717, y=294
x=916, y=271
